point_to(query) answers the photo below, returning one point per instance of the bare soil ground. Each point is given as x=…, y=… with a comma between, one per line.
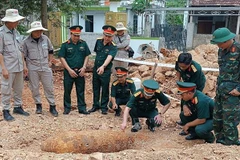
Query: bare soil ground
x=22, y=138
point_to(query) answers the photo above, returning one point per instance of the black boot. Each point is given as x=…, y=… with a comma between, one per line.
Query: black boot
x=118, y=111
x=19, y=110
x=7, y=116
x=93, y=109
x=53, y=110
x=39, y=109
x=151, y=125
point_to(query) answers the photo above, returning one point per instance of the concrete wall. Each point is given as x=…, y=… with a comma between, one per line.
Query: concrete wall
x=199, y=39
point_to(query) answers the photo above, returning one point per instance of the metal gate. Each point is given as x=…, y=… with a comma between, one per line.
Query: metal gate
x=175, y=35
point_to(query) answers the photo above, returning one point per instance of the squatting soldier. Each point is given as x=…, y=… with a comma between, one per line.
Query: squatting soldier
x=121, y=90
x=189, y=71
x=143, y=104
x=105, y=52
x=197, y=113
x=38, y=52
x=226, y=114
x=13, y=67
x=74, y=57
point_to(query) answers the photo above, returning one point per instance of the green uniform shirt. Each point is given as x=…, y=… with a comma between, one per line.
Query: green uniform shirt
x=201, y=106
x=102, y=52
x=229, y=67
x=123, y=91
x=74, y=54
x=193, y=74
x=138, y=100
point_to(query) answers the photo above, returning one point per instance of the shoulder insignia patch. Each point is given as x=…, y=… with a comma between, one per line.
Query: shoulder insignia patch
x=129, y=80
x=113, y=43
x=158, y=91
x=195, y=100
x=137, y=93
x=193, y=68
x=115, y=83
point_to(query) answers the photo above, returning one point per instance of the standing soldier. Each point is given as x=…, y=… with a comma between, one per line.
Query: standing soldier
x=189, y=71
x=143, y=104
x=197, y=114
x=38, y=51
x=121, y=90
x=74, y=55
x=226, y=114
x=105, y=52
x=12, y=64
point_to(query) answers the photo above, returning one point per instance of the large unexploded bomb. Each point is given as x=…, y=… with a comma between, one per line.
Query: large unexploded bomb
x=88, y=142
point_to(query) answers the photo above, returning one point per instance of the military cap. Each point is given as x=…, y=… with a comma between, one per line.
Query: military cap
x=76, y=30
x=121, y=71
x=222, y=35
x=150, y=86
x=185, y=87
x=108, y=30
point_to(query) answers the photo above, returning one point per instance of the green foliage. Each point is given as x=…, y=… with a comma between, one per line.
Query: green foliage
x=172, y=17
x=33, y=7
x=139, y=6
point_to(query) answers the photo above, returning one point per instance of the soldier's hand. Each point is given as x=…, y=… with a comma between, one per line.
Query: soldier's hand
x=82, y=72
x=185, y=128
x=186, y=111
x=123, y=126
x=158, y=119
x=114, y=106
x=73, y=74
x=234, y=92
x=100, y=70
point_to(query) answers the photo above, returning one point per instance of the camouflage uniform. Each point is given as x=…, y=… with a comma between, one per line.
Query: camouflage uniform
x=227, y=110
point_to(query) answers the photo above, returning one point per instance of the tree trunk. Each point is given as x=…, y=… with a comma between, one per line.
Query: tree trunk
x=44, y=16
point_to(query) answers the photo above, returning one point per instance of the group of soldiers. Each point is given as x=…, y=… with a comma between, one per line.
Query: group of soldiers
x=199, y=114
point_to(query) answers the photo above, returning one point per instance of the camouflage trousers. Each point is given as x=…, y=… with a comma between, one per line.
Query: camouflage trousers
x=226, y=115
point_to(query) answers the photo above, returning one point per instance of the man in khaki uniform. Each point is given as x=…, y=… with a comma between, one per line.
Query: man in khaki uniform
x=12, y=64
x=122, y=41
x=38, y=51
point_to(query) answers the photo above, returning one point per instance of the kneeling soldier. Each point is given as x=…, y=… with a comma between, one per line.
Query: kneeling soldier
x=121, y=90
x=143, y=104
x=197, y=114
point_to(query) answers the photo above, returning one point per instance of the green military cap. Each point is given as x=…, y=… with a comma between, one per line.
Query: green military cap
x=150, y=86
x=108, y=30
x=76, y=30
x=222, y=35
x=185, y=87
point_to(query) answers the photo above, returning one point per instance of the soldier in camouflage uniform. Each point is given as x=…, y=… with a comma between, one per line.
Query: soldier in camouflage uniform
x=227, y=110
x=121, y=90
x=143, y=104
x=197, y=114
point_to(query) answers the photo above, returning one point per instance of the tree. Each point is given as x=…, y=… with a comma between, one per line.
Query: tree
x=172, y=16
x=40, y=9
